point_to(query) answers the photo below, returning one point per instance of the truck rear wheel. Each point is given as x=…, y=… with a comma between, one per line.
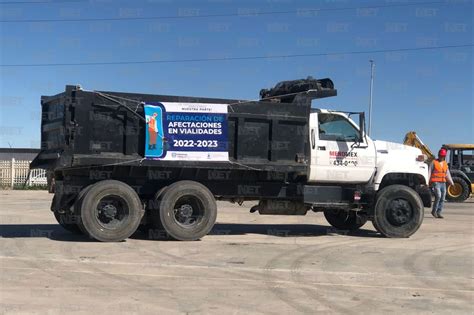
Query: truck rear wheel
x=152, y=208
x=187, y=211
x=398, y=211
x=109, y=211
x=67, y=219
x=344, y=220
x=68, y=222
x=458, y=192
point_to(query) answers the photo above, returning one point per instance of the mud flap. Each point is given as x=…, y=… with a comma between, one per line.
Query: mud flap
x=425, y=195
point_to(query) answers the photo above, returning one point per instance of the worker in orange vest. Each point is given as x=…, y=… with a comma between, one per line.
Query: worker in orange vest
x=439, y=175
x=152, y=131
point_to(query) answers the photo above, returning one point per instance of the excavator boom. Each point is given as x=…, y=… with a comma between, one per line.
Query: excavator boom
x=412, y=139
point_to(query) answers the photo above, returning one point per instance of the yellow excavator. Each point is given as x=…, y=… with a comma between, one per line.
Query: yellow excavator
x=461, y=165
x=412, y=139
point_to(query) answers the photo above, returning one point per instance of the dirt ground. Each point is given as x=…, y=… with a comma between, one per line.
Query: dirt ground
x=249, y=264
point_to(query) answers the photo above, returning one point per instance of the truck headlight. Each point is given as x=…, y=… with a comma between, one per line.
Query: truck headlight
x=421, y=158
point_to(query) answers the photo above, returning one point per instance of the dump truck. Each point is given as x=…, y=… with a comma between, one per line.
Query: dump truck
x=118, y=161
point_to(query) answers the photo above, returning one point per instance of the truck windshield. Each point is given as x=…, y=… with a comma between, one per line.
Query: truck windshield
x=336, y=128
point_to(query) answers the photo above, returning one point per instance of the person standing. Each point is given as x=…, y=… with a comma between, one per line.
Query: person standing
x=439, y=175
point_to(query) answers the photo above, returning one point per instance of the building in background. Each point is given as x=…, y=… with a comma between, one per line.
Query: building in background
x=15, y=165
x=19, y=154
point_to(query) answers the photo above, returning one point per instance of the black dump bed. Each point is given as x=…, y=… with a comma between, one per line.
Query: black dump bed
x=88, y=128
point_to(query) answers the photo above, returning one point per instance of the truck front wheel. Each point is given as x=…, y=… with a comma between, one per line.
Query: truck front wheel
x=398, y=211
x=187, y=211
x=109, y=211
x=344, y=220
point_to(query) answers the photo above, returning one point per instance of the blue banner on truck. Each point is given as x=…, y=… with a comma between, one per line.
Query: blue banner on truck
x=186, y=131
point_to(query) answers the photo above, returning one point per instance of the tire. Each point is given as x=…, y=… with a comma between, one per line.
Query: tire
x=68, y=221
x=344, y=220
x=109, y=211
x=147, y=226
x=187, y=211
x=398, y=211
x=458, y=192
x=77, y=208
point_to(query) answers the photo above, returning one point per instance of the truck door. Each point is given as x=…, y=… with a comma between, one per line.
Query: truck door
x=337, y=153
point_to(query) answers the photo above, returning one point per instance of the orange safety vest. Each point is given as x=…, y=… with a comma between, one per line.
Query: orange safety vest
x=439, y=172
x=152, y=124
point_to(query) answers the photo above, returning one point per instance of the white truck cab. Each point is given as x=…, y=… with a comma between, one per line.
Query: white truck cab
x=342, y=153
x=389, y=179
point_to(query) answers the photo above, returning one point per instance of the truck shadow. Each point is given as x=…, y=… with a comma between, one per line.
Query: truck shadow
x=57, y=233
x=278, y=230
x=286, y=230
x=51, y=231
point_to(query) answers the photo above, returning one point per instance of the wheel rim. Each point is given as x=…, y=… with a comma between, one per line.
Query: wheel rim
x=399, y=212
x=112, y=212
x=455, y=190
x=188, y=211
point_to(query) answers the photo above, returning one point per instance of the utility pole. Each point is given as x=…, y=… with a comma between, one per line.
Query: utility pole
x=372, y=67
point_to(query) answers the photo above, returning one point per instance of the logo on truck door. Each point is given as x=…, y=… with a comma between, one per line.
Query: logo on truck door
x=342, y=154
x=186, y=131
x=343, y=158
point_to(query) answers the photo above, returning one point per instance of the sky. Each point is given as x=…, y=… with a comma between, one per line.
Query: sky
x=427, y=91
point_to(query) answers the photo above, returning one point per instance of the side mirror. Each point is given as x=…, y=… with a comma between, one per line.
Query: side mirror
x=361, y=126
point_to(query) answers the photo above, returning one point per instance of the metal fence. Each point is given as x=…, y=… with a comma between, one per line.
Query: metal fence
x=13, y=173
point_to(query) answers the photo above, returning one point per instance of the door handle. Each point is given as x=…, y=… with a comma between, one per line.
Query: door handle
x=322, y=148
